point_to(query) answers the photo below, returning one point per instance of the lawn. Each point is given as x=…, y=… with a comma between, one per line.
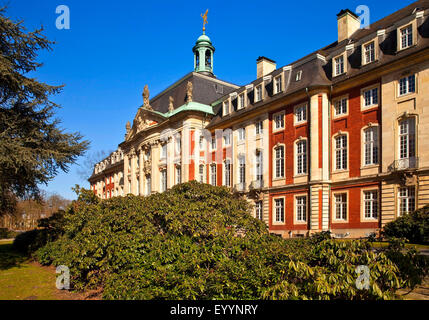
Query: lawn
x=22, y=279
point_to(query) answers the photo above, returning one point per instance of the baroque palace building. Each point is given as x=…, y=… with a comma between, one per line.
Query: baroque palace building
x=338, y=140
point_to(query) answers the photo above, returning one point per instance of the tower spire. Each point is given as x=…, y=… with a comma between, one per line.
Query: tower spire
x=203, y=51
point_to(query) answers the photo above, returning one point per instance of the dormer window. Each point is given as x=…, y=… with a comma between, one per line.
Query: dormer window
x=406, y=35
x=339, y=67
x=369, y=52
x=258, y=93
x=241, y=101
x=226, y=107
x=298, y=76
x=278, y=84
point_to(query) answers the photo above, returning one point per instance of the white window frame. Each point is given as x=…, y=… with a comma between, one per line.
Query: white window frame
x=407, y=138
x=259, y=127
x=340, y=100
x=259, y=166
x=259, y=210
x=365, y=54
x=406, y=36
x=278, y=84
x=371, y=147
x=373, y=102
x=227, y=173
x=301, y=158
x=300, y=208
x=213, y=174
x=344, y=206
x=213, y=143
x=164, y=179
x=279, y=210
x=202, y=174
x=335, y=63
x=371, y=203
x=241, y=134
x=342, y=149
x=278, y=121
x=258, y=93
x=241, y=101
x=178, y=174
x=227, y=138
x=300, y=114
x=406, y=200
x=407, y=87
x=279, y=162
x=225, y=106
x=241, y=169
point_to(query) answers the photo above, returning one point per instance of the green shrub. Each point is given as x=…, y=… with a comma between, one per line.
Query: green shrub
x=197, y=241
x=413, y=226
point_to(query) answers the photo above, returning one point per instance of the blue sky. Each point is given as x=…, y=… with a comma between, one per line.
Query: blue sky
x=114, y=48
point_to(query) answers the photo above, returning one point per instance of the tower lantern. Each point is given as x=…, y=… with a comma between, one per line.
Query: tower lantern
x=203, y=52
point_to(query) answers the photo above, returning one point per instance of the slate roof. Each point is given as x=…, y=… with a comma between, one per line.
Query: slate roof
x=206, y=89
x=316, y=68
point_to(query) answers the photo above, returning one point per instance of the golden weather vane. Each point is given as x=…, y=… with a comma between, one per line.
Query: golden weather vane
x=204, y=19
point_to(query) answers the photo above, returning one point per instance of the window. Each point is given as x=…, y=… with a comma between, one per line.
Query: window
x=407, y=138
x=407, y=85
x=258, y=210
x=137, y=186
x=279, y=162
x=258, y=93
x=341, y=206
x=370, y=97
x=370, y=200
x=164, y=151
x=369, y=51
x=371, y=146
x=278, y=84
x=213, y=173
x=178, y=174
x=226, y=107
x=279, y=121
x=298, y=76
x=163, y=180
x=240, y=101
x=258, y=127
x=178, y=145
x=148, y=184
x=241, y=134
x=406, y=37
x=340, y=107
x=301, y=114
x=227, y=173
x=201, y=173
x=301, y=208
x=242, y=170
x=339, y=65
x=341, y=152
x=213, y=143
x=259, y=166
x=407, y=200
x=280, y=210
x=201, y=142
x=226, y=139
x=301, y=157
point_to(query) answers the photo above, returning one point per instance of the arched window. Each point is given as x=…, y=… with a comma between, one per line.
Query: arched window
x=208, y=59
x=197, y=59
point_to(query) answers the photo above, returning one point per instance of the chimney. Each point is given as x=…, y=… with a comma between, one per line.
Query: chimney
x=264, y=66
x=348, y=23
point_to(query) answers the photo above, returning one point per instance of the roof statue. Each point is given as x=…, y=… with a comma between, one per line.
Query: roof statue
x=171, y=104
x=146, y=98
x=189, y=92
x=128, y=127
x=204, y=20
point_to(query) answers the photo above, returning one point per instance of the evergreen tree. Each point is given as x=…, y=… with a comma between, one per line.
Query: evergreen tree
x=33, y=148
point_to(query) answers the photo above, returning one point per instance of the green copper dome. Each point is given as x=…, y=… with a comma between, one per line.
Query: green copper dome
x=204, y=38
